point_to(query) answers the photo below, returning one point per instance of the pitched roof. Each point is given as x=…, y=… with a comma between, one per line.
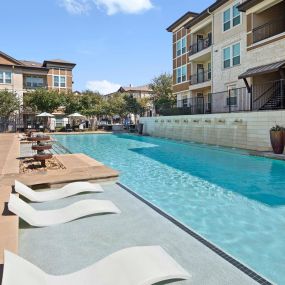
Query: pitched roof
x=58, y=61
x=10, y=58
x=35, y=64
x=248, y=4
x=204, y=14
x=31, y=63
x=181, y=20
x=145, y=88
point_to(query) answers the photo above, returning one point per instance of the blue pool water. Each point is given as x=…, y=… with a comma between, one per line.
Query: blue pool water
x=234, y=200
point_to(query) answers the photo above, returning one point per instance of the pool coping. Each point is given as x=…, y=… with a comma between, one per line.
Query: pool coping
x=245, y=269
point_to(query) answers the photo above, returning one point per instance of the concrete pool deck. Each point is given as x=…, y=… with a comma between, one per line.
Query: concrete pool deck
x=70, y=247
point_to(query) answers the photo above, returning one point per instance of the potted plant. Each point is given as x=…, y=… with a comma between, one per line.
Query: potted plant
x=276, y=138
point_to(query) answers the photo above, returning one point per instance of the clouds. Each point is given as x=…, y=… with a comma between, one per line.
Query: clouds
x=111, y=6
x=76, y=6
x=103, y=87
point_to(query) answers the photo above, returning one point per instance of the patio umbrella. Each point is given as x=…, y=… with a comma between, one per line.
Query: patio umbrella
x=45, y=114
x=75, y=115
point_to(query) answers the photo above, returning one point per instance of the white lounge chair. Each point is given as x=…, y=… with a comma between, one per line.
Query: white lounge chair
x=66, y=191
x=46, y=218
x=131, y=266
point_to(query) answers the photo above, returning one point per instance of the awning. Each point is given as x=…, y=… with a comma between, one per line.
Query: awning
x=263, y=69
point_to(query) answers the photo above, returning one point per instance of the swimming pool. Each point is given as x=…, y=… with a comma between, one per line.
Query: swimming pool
x=234, y=200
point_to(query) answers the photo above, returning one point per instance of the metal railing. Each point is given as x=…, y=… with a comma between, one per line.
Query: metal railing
x=269, y=95
x=201, y=77
x=34, y=86
x=200, y=45
x=268, y=30
x=11, y=124
x=233, y=100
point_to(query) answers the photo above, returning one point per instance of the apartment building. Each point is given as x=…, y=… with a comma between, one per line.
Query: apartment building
x=236, y=57
x=138, y=92
x=181, y=65
x=21, y=76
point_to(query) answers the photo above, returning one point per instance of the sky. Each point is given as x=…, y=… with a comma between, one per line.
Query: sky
x=113, y=42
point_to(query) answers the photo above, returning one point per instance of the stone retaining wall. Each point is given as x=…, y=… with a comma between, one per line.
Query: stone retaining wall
x=240, y=130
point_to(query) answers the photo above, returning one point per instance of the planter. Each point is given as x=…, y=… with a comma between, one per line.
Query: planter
x=277, y=141
x=41, y=147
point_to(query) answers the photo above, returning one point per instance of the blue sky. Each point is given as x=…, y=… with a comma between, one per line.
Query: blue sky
x=113, y=42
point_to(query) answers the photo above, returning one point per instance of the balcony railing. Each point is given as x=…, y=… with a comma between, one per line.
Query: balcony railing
x=268, y=30
x=34, y=86
x=200, y=45
x=201, y=77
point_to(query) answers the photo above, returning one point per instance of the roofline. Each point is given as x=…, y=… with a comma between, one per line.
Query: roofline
x=204, y=14
x=11, y=58
x=25, y=66
x=56, y=62
x=181, y=20
x=247, y=4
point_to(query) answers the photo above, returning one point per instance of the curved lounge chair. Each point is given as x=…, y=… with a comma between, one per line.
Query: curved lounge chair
x=66, y=191
x=131, y=266
x=59, y=216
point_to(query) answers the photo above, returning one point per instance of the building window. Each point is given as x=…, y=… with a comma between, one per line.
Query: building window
x=231, y=17
x=227, y=57
x=181, y=47
x=5, y=77
x=236, y=54
x=236, y=15
x=232, y=101
x=34, y=82
x=184, y=103
x=181, y=74
x=231, y=55
x=59, y=81
x=227, y=20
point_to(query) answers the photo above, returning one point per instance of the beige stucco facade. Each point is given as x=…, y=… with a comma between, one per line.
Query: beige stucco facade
x=224, y=78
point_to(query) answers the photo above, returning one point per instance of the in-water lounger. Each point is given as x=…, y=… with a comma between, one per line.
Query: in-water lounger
x=66, y=191
x=39, y=218
x=144, y=265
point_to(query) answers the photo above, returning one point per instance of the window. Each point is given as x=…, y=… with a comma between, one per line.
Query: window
x=181, y=46
x=231, y=17
x=231, y=55
x=181, y=74
x=34, y=82
x=59, y=81
x=233, y=93
x=232, y=101
x=236, y=15
x=184, y=102
x=227, y=57
x=227, y=20
x=236, y=54
x=5, y=77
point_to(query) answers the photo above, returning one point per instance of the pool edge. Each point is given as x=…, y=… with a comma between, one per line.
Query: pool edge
x=246, y=270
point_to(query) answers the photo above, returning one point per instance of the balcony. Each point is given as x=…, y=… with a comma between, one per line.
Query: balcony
x=202, y=44
x=268, y=30
x=200, y=77
x=28, y=85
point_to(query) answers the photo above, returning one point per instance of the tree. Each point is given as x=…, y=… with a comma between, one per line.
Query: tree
x=9, y=103
x=44, y=100
x=117, y=105
x=132, y=104
x=162, y=88
x=72, y=103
